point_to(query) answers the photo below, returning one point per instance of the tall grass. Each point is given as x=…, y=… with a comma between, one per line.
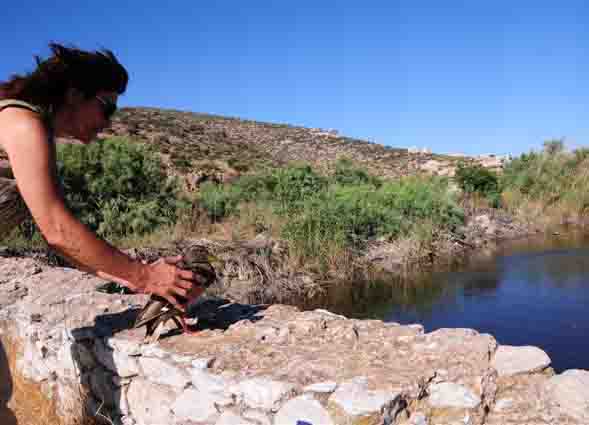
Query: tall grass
x=550, y=186
x=324, y=218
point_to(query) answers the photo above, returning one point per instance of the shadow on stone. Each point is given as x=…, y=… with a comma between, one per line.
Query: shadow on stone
x=107, y=365
x=218, y=313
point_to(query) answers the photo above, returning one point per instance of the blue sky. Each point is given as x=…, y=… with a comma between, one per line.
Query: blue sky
x=455, y=76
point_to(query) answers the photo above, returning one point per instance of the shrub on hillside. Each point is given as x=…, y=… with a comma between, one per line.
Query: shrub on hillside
x=348, y=174
x=220, y=201
x=285, y=188
x=480, y=180
x=118, y=188
x=115, y=187
x=290, y=186
x=351, y=215
x=342, y=211
x=476, y=179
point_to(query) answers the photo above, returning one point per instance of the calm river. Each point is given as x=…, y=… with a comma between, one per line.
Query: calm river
x=528, y=292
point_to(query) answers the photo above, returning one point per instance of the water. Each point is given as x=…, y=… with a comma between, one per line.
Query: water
x=529, y=292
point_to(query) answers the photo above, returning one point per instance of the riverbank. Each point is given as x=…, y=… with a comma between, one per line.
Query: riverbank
x=269, y=364
x=262, y=269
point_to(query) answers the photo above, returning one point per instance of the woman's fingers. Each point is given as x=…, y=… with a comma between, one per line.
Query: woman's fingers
x=179, y=291
x=185, y=284
x=173, y=260
x=190, y=276
x=186, y=274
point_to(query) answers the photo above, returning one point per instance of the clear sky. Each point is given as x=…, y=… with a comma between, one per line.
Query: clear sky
x=454, y=76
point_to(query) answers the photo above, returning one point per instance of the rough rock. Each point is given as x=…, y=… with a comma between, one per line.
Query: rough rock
x=304, y=409
x=149, y=403
x=510, y=361
x=198, y=406
x=115, y=360
x=354, y=403
x=321, y=387
x=261, y=393
x=164, y=372
x=449, y=394
x=262, y=363
x=230, y=418
x=569, y=392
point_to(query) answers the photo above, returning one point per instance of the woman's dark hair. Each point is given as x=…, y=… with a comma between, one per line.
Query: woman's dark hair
x=67, y=67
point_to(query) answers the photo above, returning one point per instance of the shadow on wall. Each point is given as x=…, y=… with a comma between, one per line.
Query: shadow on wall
x=106, y=373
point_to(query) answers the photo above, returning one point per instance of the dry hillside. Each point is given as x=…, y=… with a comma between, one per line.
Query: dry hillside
x=197, y=145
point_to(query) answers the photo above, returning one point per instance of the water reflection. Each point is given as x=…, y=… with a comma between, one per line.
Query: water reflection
x=532, y=292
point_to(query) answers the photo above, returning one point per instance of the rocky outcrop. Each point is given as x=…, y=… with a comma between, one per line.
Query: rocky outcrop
x=269, y=364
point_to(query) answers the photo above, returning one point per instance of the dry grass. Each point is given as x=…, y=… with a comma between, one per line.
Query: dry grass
x=30, y=405
x=539, y=213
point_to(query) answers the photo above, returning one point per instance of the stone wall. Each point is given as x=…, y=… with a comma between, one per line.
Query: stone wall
x=270, y=364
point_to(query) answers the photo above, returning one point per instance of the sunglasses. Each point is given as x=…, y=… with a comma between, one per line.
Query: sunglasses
x=108, y=107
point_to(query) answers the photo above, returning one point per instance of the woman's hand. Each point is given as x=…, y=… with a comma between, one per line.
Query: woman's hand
x=164, y=278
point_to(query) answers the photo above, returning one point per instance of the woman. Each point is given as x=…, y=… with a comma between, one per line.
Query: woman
x=73, y=93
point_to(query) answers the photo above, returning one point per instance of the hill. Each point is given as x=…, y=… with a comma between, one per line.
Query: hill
x=200, y=146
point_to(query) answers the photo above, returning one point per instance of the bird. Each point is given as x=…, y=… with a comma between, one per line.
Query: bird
x=158, y=311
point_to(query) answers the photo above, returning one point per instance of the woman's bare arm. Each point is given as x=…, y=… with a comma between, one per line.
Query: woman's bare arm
x=32, y=159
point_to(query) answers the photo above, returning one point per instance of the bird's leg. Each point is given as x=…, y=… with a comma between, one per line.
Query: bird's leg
x=181, y=322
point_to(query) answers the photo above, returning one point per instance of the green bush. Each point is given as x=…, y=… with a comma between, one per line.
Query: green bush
x=351, y=215
x=220, y=201
x=290, y=186
x=345, y=210
x=116, y=187
x=285, y=188
x=348, y=174
x=477, y=179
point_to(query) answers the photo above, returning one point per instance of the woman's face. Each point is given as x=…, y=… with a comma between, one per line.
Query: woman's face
x=82, y=118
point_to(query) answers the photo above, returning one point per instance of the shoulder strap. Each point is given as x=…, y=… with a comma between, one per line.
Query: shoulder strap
x=5, y=103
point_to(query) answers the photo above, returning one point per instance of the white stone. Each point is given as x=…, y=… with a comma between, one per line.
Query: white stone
x=354, y=398
x=115, y=361
x=502, y=404
x=229, y=418
x=259, y=418
x=329, y=313
x=302, y=408
x=129, y=347
x=203, y=364
x=261, y=393
x=418, y=419
x=164, y=372
x=207, y=382
x=511, y=361
x=150, y=403
x=61, y=362
x=321, y=387
x=198, y=406
x=570, y=391
x=151, y=350
x=449, y=394
x=31, y=364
